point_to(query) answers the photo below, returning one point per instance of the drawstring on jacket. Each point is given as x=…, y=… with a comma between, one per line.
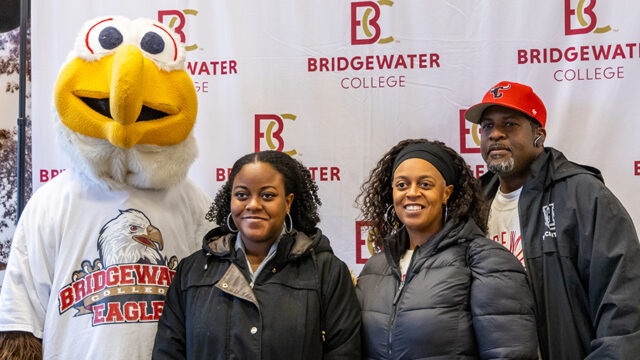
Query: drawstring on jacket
x=206, y=264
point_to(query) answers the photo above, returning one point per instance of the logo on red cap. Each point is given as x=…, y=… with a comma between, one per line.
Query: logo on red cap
x=496, y=91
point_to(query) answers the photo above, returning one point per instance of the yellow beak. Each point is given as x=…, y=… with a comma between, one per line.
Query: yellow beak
x=126, y=85
x=126, y=99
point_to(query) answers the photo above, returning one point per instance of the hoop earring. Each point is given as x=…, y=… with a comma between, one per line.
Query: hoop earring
x=389, y=215
x=288, y=229
x=229, y=225
x=445, y=210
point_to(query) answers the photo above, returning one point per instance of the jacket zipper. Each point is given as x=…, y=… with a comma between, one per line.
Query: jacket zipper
x=394, y=308
x=392, y=320
x=397, y=297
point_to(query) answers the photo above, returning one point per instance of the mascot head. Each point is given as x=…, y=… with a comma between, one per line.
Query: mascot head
x=126, y=105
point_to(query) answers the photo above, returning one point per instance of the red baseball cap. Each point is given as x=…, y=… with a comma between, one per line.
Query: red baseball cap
x=512, y=95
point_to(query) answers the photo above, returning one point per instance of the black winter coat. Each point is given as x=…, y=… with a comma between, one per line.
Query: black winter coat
x=464, y=297
x=583, y=260
x=213, y=311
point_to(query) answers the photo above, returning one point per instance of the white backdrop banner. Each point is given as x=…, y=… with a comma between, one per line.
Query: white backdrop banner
x=337, y=83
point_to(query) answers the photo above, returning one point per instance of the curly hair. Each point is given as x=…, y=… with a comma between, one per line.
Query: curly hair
x=467, y=200
x=297, y=180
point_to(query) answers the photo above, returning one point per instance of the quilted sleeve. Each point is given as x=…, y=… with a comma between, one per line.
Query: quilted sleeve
x=502, y=305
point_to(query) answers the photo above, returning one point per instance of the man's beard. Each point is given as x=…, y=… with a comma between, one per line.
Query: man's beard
x=501, y=167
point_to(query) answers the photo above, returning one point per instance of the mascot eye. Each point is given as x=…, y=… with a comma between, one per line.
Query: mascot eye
x=102, y=37
x=152, y=43
x=133, y=228
x=158, y=44
x=110, y=38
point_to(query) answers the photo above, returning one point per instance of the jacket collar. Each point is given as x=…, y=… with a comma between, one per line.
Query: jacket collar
x=549, y=167
x=217, y=242
x=452, y=233
x=292, y=245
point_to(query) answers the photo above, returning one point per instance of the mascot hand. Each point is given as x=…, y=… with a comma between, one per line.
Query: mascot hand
x=21, y=345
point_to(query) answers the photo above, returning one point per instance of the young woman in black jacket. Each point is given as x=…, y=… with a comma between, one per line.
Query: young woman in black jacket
x=266, y=284
x=438, y=288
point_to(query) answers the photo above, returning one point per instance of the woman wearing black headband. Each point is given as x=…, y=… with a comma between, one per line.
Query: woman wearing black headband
x=437, y=288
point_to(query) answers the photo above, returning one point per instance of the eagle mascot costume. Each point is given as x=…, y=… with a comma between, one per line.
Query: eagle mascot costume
x=96, y=247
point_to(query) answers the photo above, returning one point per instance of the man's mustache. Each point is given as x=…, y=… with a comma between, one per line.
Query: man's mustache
x=498, y=147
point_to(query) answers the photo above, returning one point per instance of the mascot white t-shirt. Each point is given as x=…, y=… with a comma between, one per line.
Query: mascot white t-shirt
x=90, y=265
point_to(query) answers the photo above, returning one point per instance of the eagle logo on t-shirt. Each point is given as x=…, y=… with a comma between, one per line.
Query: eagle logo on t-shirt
x=130, y=238
x=128, y=281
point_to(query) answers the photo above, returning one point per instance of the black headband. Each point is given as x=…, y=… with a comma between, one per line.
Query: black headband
x=434, y=154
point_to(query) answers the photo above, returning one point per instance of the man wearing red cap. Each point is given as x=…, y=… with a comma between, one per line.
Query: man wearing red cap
x=574, y=237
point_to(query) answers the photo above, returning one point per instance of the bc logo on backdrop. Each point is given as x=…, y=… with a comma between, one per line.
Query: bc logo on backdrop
x=470, y=144
x=271, y=136
x=580, y=14
x=200, y=69
x=364, y=247
x=179, y=16
x=576, y=63
x=469, y=135
x=364, y=18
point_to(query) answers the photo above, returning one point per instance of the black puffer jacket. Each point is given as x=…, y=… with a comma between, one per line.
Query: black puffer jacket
x=213, y=312
x=464, y=297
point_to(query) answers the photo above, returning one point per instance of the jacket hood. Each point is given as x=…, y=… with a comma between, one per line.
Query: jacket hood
x=292, y=245
x=452, y=233
x=553, y=166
